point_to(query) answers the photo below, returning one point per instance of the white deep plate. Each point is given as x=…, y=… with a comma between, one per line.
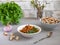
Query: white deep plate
x=26, y=34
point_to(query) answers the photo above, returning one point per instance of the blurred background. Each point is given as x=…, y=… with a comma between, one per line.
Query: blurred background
x=51, y=9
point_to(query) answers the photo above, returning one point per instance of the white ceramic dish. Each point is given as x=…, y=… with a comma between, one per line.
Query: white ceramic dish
x=45, y=25
x=26, y=34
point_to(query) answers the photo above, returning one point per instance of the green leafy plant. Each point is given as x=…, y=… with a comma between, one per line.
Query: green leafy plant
x=10, y=12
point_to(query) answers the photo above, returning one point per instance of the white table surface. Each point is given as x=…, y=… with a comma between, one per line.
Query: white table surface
x=54, y=40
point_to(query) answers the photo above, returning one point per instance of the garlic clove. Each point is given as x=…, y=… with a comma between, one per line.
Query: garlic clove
x=11, y=38
x=12, y=34
x=5, y=34
x=17, y=38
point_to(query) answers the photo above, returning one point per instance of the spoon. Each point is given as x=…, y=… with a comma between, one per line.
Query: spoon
x=48, y=36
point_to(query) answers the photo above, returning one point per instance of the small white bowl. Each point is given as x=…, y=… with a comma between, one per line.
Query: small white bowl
x=26, y=34
x=50, y=26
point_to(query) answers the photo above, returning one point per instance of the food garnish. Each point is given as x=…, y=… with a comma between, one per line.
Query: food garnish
x=29, y=29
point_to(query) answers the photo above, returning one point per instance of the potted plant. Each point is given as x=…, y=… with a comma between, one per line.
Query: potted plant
x=10, y=13
x=36, y=4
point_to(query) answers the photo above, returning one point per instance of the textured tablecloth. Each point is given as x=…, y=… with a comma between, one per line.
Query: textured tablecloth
x=54, y=40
